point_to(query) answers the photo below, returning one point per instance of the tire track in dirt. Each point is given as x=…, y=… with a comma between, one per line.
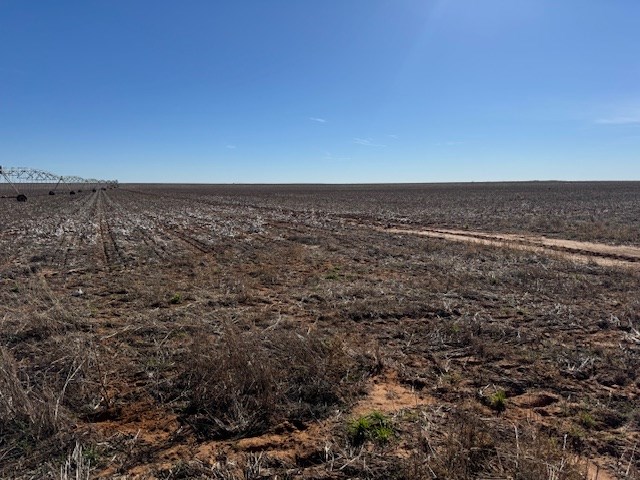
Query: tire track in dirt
x=50, y=234
x=191, y=242
x=143, y=234
x=197, y=244
x=67, y=240
x=583, y=252
x=174, y=233
x=152, y=244
x=165, y=227
x=110, y=250
x=161, y=230
x=194, y=225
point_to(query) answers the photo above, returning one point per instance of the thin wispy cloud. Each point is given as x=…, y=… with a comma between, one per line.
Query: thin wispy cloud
x=395, y=137
x=367, y=142
x=318, y=119
x=231, y=147
x=619, y=121
x=449, y=143
x=625, y=112
x=330, y=156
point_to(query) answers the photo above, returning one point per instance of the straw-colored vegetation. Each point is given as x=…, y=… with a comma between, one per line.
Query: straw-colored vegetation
x=254, y=332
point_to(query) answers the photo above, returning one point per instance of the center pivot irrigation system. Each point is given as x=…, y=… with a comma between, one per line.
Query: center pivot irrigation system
x=22, y=182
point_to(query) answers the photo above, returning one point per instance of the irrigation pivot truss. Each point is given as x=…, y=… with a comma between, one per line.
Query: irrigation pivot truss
x=23, y=182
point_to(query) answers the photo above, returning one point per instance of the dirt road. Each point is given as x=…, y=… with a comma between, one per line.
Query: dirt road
x=599, y=253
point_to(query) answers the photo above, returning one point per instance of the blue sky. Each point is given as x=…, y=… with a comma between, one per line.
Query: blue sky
x=322, y=91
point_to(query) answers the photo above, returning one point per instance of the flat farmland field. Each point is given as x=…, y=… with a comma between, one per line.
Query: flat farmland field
x=450, y=331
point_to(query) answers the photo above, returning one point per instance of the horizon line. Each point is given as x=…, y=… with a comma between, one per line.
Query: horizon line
x=452, y=182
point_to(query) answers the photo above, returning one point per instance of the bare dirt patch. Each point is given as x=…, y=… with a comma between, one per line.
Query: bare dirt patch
x=599, y=253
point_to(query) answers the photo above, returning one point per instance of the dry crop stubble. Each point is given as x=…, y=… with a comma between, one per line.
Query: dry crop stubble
x=137, y=363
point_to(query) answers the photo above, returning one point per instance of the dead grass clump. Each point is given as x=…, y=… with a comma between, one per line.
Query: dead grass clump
x=17, y=410
x=444, y=443
x=26, y=416
x=475, y=448
x=243, y=383
x=467, y=449
x=45, y=391
x=44, y=315
x=76, y=466
x=72, y=371
x=83, y=379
